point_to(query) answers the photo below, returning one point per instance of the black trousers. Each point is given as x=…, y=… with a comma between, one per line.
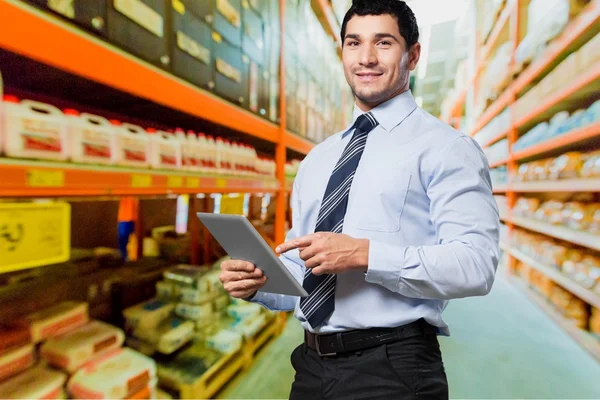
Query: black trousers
x=408, y=369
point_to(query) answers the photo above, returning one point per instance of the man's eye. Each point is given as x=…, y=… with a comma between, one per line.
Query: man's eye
x=353, y=43
x=385, y=43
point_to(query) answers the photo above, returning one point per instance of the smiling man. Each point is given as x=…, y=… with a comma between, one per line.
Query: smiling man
x=392, y=217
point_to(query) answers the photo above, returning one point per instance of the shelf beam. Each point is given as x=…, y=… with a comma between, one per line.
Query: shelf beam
x=47, y=39
x=298, y=143
x=499, y=163
x=585, y=239
x=562, y=280
x=564, y=186
x=46, y=179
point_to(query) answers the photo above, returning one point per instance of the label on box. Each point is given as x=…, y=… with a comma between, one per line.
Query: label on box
x=229, y=12
x=142, y=14
x=134, y=149
x=41, y=135
x=95, y=144
x=229, y=71
x=193, y=48
x=63, y=7
x=167, y=155
x=33, y=235
x=44, y=178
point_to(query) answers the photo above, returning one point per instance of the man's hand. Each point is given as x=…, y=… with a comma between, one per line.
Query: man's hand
x=241, y=279
x=329, y=253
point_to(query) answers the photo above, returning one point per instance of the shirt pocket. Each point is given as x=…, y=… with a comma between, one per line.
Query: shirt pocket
x=380, y=204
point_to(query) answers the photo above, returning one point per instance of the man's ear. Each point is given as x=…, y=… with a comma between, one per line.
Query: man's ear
x=414, y=54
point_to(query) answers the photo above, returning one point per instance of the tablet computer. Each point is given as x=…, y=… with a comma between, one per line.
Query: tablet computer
x=242, y=241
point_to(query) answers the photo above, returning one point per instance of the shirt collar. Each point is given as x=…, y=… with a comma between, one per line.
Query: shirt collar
x=391, y=113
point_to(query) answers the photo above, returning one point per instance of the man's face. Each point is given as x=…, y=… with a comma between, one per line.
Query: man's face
x=376, y=60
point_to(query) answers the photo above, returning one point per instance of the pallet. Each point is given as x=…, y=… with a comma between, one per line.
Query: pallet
x=218, y=375
x=210, y=382
x=270, y=330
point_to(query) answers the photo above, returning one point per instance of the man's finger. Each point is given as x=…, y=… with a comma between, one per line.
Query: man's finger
x=237, y=265
x=231, y=276
x=315, y=261
x=244, y=285
x=303, y=241
x=306, y=253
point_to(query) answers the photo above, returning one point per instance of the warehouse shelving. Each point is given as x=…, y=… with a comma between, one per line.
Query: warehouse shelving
x=49, y=179
x=572, y=95
x=567, y=185
x=585, y=339
x=499, y=163
x=574, y=137
x=559, y=232
x=499, y=188
x=490, y=44
x=581, y=88
x=577, y=31
x=62, y=46
x=559, y=278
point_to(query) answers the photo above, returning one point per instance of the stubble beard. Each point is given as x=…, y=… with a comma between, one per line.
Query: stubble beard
x=381, y=96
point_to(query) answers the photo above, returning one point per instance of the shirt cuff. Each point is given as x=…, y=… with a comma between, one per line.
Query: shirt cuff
x=385, y=265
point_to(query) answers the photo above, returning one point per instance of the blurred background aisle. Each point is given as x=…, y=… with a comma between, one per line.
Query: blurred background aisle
x=121, y=119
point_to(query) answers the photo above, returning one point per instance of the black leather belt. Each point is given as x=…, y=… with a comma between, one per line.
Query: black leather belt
x=343, y=342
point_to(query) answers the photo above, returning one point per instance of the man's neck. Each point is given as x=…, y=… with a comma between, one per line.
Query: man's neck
x=366, y=107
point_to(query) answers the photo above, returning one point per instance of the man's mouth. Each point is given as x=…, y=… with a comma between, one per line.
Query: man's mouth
x=366, y=77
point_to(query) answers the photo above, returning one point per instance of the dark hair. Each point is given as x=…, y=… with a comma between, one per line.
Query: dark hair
x=407, y=23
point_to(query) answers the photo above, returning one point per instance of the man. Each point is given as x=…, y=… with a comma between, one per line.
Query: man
x=392, y=217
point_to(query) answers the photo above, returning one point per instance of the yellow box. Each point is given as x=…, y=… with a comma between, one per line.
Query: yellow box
x=32, y=235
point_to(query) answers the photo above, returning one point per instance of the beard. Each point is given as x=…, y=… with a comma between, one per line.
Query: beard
x=377, y=96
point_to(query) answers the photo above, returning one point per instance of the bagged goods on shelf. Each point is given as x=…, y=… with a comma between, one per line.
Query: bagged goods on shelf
x=550, y=211
x=165, y=150
x=187, y=366
x=57, y=320
x=35, y=383
x=16, y=360
x=594, y=226
x=497, y=152
x=76, y=348
x=134, y=145
x=117, y=375
x=195, y=296
x=585, y=271
x=225, y=341
x=92, y=139
x=591, y=166
x=244, y=311
x=526, y=207
x=189, y=276
x=567, y=166
x=170, y=335
x=248, y=327
x=194, y=311
x=13, y=337
x=147, y=316
x=34, y=130
x=497, y=125
x=167, y=291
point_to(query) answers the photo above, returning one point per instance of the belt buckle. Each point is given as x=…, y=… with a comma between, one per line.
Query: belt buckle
x=319, y=349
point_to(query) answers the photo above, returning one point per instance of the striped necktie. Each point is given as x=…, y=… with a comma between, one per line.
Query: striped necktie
x=319, y=304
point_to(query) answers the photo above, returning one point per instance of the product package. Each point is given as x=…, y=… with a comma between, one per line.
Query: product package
x=147, y=316
x=117, y=375
x=74, y=349
x=35, y=383
x=56, y=320
x=172, y=334
x=16, y=360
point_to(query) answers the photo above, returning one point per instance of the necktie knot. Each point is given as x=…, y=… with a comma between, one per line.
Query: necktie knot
x=366, y=122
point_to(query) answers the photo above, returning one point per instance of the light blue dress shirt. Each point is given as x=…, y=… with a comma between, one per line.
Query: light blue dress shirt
x=422, y=195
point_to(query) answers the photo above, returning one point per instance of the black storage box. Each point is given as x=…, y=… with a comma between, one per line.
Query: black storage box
x=253, y=73
x=253, y=39
x=138, y=26
x=228, y=20
x=203, y=9
x=230, y=73
x=192, y=48
x=89, y=14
